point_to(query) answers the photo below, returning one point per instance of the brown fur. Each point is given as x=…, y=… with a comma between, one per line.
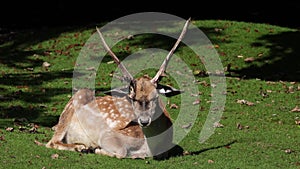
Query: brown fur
x=115, y=132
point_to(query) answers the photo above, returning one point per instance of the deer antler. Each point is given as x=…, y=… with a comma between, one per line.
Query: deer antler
x=166, y=61
x=127, y=76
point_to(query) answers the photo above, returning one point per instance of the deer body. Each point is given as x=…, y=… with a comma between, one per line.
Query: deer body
x=135, y=125
x=110, y=125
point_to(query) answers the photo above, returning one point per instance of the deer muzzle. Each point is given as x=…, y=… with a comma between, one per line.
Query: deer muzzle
x=144, y=121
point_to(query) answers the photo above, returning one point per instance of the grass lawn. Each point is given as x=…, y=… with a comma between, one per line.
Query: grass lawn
x=260, y=126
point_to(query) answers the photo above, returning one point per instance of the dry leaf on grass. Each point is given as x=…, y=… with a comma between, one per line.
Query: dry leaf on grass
x=174, y=106
x=38, y=143
x=46, y=65
x=250, y=59
x=10, y=129
x=54, y=156
x=186, y=126
x=210, y=161
x=218, y=125
x=296, y=109
x=196, y=102
x=241, y=127
x=242, y=101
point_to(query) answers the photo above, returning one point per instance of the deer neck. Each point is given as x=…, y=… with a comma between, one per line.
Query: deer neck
x=160, y=123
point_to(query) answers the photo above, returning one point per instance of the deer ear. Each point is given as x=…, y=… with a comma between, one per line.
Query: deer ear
x=168, y=91
x=132, y=88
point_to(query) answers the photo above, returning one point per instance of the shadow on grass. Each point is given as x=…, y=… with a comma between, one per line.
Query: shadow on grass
x=178, y=151
x=25, y=88
x=22, y=92
x=28, y=96
x=212, y=148
x=283, y=61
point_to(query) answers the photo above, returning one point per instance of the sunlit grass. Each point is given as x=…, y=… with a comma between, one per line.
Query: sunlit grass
x=263, y=134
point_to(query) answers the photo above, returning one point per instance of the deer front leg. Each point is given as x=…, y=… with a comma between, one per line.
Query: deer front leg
x=63, y=146
x=113, y=146
x=106, y=153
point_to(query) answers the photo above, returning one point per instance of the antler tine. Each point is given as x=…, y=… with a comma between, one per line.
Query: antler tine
x=127, y=76
x=166, y=61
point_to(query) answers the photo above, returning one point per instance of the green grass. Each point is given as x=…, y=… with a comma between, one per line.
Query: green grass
x=32, y=95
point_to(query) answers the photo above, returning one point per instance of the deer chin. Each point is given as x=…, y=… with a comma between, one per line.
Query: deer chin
x=144, y=123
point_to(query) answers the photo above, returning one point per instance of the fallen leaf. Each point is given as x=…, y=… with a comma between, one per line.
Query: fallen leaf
x=239, y=126
x=218, y=29
x=196, y=102
x=203, y=83
x=174, y=106
x=227, y=146
x=90, y=68
x=242, y=101
x=2, y=138
x=38, y=143
x=210, y=161
x=290, y=89
x=250, y=59
x=296, y=109
x=186, y=126
x=218, y=125
x=200, y=73
x=29, y=69
x=194, y=94
x=46, y=65
x=260, y=54
x=186, y=153
x=10, y=129
x=33, y=130
x=110, y=62
x=288, y=151
x=54, y=156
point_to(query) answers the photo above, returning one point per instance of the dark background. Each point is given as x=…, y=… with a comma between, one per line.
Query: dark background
x=70, y=15
x=24, y=14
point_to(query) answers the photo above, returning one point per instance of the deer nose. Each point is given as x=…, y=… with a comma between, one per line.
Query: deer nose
x=143, y=122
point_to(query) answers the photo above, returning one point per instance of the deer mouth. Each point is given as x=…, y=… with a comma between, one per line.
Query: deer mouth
x=144, y=122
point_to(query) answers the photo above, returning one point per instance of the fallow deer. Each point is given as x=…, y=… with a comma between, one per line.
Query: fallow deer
x=136, y=125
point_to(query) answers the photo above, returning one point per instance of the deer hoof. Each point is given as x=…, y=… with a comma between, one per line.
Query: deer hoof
x=80, y=148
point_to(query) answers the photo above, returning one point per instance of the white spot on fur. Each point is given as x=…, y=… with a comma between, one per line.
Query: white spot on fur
x=105, y=115
x=91, y=109
x=119, y=103
x=111, y=123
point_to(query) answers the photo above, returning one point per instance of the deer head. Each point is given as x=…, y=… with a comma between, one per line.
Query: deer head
x=144, y=92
